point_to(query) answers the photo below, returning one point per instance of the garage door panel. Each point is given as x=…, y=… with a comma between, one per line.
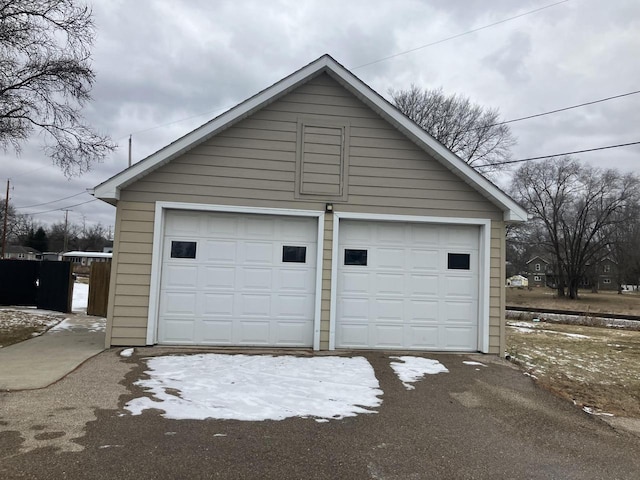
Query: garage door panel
x=393, y=236
x=219, y=278
x=258, y=253
x=256, y=279
x=459, y=286
x=254, y=332
x=176, y=303
x=222, y=226
x=423, y=259
x=422, y=337
x=423, y=311
x=389, y=284
x=354, y=335
x=389, y=258
x=388, y=309
x=254, y=305
x=259, y=227
x=458, y=338
x=354, y=308
x=288, y=333
x=424, y=285
x=387, y=336
x=240, y=289
x=460, y=312
x=355, y=283
x=293, y=306
x=218, y=304
x=294, y=280
x=220, y=251
x=178, y=330
x=407, y=296
x=216, y=331
x=181, y=276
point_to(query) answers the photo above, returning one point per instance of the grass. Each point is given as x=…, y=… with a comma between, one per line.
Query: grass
x=592, y=366
x=19, y=325
x=601, y=302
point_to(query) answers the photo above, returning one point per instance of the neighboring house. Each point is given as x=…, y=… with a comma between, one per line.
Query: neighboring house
x=18, y=252
x=86, y=258
x=603, y=275
x=538, y=270
x=314, y=214
x=517, y=281
x=51, y=256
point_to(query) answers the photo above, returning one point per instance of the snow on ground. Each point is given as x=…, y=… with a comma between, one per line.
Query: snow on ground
x=412, y=369
x=469, y=362
x=95, y=324
x=127, y=352
x=257, y=387
x=80, y=296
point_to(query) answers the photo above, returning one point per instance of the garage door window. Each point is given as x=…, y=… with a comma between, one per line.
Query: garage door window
x=459, y=261
x=291, y=254
x=183, y=249
x=355, y=257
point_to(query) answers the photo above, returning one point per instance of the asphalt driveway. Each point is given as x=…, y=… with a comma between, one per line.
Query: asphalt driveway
x=472, y=422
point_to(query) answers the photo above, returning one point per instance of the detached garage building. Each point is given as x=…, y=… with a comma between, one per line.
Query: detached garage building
x=313, y=214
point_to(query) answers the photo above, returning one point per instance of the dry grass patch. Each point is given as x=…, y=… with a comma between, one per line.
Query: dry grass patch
x=591, y=366
x=601, y=302
x=19, y=325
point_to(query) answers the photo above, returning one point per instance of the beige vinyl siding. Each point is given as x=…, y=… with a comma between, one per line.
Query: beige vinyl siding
x=253, y=163
x=325, y=312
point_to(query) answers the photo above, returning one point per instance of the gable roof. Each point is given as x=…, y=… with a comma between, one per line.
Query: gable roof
x=540, y=258
x=109, y=190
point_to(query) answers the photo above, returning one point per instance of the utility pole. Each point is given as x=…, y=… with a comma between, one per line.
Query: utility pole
x=6, y=215
x=66, y=217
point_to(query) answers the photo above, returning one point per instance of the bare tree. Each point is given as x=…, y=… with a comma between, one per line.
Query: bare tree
x=45, y=80
x=576, y=210
x=472, y=132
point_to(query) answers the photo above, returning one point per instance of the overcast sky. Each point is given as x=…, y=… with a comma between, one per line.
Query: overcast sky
x=165, y=67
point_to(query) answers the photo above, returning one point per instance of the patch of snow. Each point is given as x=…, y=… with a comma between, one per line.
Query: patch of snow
x=593, y=411
x=412, y=369
x=469, y=362
x=521, y=324
x=258, y=387
x=127, y=352
x=80, y=296
x=111, y=446
x=219, y=434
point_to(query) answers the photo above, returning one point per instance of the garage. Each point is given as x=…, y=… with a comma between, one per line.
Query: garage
x=237, y=279
x=407, y=286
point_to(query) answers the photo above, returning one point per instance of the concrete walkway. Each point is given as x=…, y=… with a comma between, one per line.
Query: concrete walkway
x=43, y=360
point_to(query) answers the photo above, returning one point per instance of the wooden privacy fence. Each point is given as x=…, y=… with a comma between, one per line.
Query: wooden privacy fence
x=99, y=289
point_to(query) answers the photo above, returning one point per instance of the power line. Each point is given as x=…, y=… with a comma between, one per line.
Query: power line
x=565, y=108
x=52, y=201
x=63, y=208
x=459, y=35
x=558, y=154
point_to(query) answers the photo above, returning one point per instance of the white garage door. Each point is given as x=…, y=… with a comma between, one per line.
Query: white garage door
x=236, y=279
x=407, y=286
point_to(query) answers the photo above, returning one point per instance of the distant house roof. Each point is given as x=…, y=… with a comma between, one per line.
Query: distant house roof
x=539, y=258
x=21, y=249
x=109, y=190
x=78, y=253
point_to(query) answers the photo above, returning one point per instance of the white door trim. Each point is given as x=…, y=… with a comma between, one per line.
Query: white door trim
x=484, y=258
x=158, y=248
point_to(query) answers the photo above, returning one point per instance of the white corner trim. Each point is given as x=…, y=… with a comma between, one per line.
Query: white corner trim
x=484, y=260
x=334, y=282
x=158, y=248
x=156, y=273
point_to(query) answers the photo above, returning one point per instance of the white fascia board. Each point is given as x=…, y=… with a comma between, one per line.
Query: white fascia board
x=111, y=188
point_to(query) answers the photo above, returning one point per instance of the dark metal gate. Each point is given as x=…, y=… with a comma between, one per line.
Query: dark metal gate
x=45, y=285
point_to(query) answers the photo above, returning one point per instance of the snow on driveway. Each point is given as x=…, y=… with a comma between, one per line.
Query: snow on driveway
x=257, y=387
x=412, y=369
